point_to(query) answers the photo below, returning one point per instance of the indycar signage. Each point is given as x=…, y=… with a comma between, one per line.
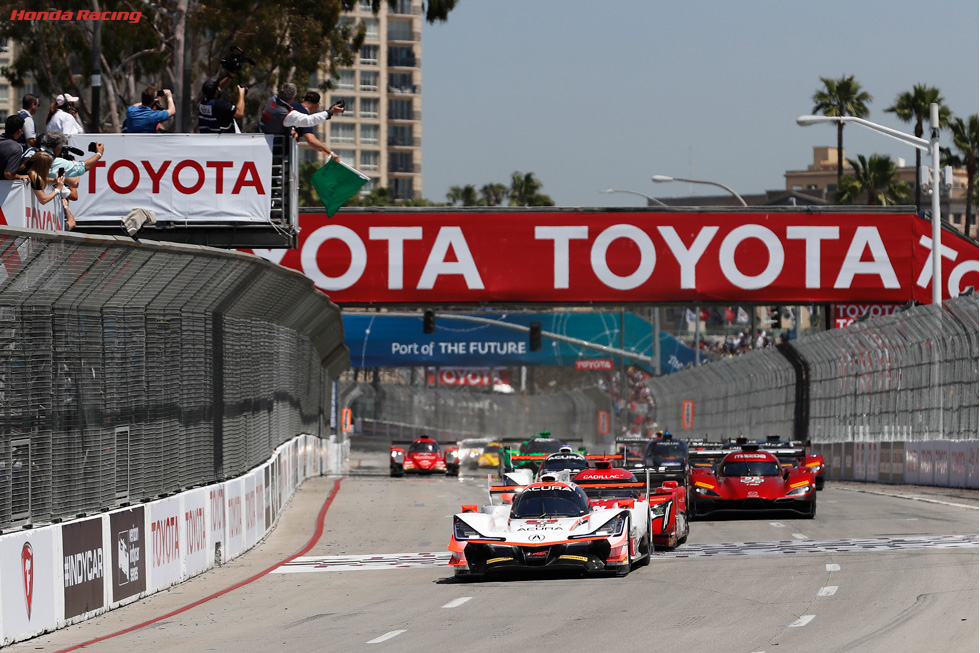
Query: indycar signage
x=569, y=256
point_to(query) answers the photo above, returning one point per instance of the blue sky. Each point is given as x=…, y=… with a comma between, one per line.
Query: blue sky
x=591, y=95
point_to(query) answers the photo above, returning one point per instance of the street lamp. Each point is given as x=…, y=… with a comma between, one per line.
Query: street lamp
x=633, y=192
x=931, y=146
x=659, y=179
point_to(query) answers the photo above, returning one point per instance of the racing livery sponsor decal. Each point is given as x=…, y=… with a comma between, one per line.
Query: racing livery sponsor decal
x=128, y=542
x=84, y=566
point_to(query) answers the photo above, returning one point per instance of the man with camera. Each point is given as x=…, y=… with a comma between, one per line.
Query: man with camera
x=63, y=117
x=145, y=118
x=56, y=144
x=279, y=116
x=216, y=115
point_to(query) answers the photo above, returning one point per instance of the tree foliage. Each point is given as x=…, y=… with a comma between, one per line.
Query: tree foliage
x=876, y=178
x=525, y=191
x=913, y=106
x=965, y=140
x=178, y=44
x=837, y=98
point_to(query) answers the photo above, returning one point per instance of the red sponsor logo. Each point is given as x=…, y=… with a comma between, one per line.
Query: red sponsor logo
x=27, y=568
x=594, y=364
x=186, y=177
x=83, y=14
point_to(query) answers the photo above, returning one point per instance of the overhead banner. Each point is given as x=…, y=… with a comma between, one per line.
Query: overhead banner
x=380, y=340
x=575, y=256
x=183, y=178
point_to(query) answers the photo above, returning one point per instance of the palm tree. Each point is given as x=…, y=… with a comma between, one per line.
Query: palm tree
x=524, y=191
x=493, y=194
x=878, y=177
x=914, y=107
x=464, y=195
x=965, y=140
x=838, y=98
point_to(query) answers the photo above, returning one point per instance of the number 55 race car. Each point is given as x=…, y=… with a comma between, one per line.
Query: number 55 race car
x=752, y=480
x=550, y=525
x=423, y=456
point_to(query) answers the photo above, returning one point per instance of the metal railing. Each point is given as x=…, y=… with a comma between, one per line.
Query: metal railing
x=131, y=370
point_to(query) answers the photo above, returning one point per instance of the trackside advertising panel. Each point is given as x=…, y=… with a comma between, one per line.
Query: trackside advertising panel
x=85, y=565
x=19, y=207
x=216, y=521
x=28, y=578
x=185, y=178
x=127, y=537
x=575, y=256
x=194, y=531
x=234, y=519
x=165, y=545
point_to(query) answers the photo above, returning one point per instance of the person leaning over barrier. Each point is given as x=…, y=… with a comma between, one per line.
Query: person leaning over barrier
x=10, y=150
x=36, y=165
x=53, y=143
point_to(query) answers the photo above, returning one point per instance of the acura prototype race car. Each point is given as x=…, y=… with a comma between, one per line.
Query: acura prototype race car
x=423, y=456
x=550, y=525
x=752, y=480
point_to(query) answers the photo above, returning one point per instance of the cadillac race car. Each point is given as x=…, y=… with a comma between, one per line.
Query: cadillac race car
x=550, y=525
x=752, y=480
x=668, y=503
x=423, y=456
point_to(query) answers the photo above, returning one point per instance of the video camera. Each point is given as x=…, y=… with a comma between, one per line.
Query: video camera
x=234, y=60
x=69, y=153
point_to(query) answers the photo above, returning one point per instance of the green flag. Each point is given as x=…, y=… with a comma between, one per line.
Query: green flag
x=336, y=183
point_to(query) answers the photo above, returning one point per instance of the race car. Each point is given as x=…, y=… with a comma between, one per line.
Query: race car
x=529, y=454
x=470, y=451
x=565, y=459
x=752, y=480
x=552, y=526
x=491, y=455
x=668, y=503
x=795, y=453
x=665, y=457
x=423, y=456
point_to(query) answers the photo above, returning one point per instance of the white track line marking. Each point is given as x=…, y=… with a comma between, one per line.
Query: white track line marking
x=455, y=603
x=777, y=524
x=802, y=621
x=800, y=536
x=385, y=637
x=913, y=498
x=830, y=590
x=833, y=567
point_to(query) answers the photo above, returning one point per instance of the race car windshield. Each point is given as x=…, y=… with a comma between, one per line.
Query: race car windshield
x=667, y=450
x=491, y=448
x=611, y=492
x=575, y=464
x=424, y=447
x=543, y=446
x=550, y=503
x=750, y=468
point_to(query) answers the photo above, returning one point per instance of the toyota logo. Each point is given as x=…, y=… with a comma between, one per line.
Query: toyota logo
x=537, y=537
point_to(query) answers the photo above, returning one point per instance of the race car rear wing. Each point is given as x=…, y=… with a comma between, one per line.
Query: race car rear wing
x=441, y=443
x=702, y=458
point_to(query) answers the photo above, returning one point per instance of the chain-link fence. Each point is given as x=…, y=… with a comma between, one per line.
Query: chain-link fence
x=128, y=371
x=453, y=414
x=910, y=376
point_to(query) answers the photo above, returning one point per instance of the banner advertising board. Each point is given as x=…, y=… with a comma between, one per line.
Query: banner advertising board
x=165, y=545
x=216, y=523
x=234, y=520
x=379, y=340
x=85, y=564
x=846, y=314
x=194, y=534
x=19, y=207
x=127, y=537
x=590, y=255
x=183, y=178
x=27, y=582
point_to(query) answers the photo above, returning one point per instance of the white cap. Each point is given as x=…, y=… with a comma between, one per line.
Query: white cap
x=63, y=98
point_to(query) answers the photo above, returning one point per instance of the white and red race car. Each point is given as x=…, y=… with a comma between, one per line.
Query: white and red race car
x=550, y=525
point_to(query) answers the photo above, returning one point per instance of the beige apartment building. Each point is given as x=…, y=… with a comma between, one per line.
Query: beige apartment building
x=380, y=132
x=820, y=178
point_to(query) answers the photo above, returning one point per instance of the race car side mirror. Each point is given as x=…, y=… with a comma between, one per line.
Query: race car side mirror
x=469, y=507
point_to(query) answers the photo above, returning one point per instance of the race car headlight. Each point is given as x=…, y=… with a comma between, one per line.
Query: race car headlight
x=398, y=456
x=611, y=528
x=452, y=457
x=463, y=531
x=658, y=510
x=816, y=468
x=799, y=491
x=705, y=492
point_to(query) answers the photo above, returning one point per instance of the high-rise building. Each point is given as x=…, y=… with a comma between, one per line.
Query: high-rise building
x=380, y=132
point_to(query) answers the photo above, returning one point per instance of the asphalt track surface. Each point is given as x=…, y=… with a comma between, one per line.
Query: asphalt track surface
x=881, y=568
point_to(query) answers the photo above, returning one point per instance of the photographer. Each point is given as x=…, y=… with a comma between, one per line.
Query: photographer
x=144, y=118
x=62, y=117
x=279, y=115
x=55, y=143
x=216, y=115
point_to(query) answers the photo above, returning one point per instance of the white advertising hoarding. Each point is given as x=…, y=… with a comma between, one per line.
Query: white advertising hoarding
x=165, y=545
x=27, y=583
x=185, y=178
x=195, y=531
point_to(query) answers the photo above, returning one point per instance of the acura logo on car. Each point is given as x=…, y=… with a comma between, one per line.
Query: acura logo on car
x=537, y=537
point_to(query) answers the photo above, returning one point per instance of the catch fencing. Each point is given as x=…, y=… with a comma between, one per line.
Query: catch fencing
x=910, y=376
x=131, y=370
x=407, y=411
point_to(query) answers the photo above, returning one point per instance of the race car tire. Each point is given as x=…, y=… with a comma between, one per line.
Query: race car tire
x=682, y=537
x=819, y=483
x=627, y=567
x=397, y=472
x=452, y=471
x=813, y=511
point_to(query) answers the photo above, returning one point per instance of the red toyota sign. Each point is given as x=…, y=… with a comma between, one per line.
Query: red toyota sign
x=574, y=256
x=594, y=364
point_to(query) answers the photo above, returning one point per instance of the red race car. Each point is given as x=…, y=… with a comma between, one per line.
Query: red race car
x=668, y=503
x=423, y=456
x=752, y=480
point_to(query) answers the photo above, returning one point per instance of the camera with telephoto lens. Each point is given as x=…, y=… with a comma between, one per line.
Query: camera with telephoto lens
x=234, y=60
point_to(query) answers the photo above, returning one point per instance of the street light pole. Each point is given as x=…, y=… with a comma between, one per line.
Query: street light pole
x=633, y=192
x=931, y=146
x=659, y=179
